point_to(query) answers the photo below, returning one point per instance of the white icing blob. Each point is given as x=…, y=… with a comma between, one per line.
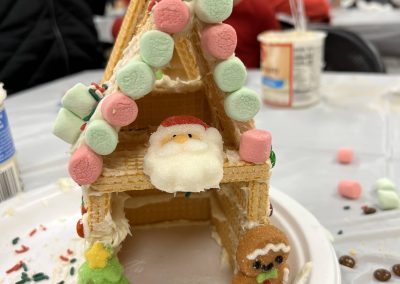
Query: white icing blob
x=269, y=247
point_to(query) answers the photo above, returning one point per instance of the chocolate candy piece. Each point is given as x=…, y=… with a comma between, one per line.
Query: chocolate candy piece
x=368, y=210
x=382, y=275
x=396, y=269
x=347, y=260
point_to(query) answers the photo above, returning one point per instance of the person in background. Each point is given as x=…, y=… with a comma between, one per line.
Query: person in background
x=250, y=18
x=42, y=40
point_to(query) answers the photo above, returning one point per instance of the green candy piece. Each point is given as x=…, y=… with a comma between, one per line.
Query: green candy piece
x=230, y=75
x=272, y=274
x=272, y=157
x=101, y=137
x=385, y=184
x=156, y=48
x=242, y=105
x=136, y=79
x=79, y=101
x=388, y=199
x=67, y=126
x=111, y=274
x=213, y=11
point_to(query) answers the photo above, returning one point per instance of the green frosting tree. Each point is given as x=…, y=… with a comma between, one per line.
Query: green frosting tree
x=111, y=274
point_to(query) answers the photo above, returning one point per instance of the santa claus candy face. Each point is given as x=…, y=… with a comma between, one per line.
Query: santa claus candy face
x=185, y=157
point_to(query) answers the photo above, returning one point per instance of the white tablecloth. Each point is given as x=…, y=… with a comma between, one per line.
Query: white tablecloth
x=352, y=113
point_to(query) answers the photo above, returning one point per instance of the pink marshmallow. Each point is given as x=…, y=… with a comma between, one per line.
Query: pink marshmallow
x=171, y=16
x=255, y=146
x=344, y=155
x=219, y=40
x=350, y=189
x=85, y=166
x=119, y=110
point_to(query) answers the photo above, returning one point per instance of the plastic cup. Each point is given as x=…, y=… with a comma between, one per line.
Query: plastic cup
x=291, y=64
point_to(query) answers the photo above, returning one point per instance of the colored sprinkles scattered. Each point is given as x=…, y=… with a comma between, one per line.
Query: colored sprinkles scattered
x=70, y=252
x=33, y=232
x=15, y=241
x=16, y=267
x=22, y=249
x=43, y=228
x=72, y=271
x=40, y=276
x=64, y=258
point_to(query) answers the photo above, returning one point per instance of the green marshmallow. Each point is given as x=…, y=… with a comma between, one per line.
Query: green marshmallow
x=101, y=137
x=67, y=126
x=79, y=101
x=213, y=11
x=156, y=48
x=136, y=79
x=388, y=199
x=385, y=184
x=242, y=105
x=230, y=75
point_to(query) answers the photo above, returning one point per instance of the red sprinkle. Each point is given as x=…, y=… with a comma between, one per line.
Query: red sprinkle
x=101, y=89
x=63, y=258
x=83, y=126
x=43, y=228
x=32, y=232
x=70, y=252
x=16, y=267
x=22, y=249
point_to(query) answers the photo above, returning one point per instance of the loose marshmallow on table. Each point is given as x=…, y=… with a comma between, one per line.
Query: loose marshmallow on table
x=350, y=189
x=85, y=166
x=171, y=16
x=219, y=40
x=213, y=11
x=388, y=199
x=79, y=101
x=156, y=48
x=101, y=137
x=385, y=184
x=242, y=105
x=136, y=79
x=255, y=146
x=67, y=126
x=344, y=155
x=230, y=75
x=119, y=110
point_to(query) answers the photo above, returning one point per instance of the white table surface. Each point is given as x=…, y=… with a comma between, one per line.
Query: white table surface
x=380, y=27
x=352, y=113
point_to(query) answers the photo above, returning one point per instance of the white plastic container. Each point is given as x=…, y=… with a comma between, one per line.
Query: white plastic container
x=291, y=64
x=10, y=182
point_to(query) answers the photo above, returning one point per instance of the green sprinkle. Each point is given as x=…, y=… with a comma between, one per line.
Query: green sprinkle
x=61, y=282
x=87, y=118
x=15, y=241
x=94, y=95
x=24, y=267
x=72, y=260
x=21, y=281
x=105, y=86
x=72, y=271
x=159, y=74
x=40, y=278
x=38, y=274
x=24, y=276
x=187, y=194
x=272, y=157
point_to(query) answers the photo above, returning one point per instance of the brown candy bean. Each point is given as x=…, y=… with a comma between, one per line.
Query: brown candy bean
x=396, y=269
x=347, y=261
x=369, y=210
x=382, y=275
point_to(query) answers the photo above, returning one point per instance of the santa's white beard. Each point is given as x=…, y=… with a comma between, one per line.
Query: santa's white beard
x=190, y=167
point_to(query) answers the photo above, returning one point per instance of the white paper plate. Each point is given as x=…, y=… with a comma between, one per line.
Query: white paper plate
x=58, y=210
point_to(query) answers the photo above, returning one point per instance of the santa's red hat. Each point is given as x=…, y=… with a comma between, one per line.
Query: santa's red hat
x=183, y=119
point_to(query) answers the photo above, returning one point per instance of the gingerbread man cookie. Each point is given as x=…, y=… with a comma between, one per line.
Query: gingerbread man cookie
x=261, y=257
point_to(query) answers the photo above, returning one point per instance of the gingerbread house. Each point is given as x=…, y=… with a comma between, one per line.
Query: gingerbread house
x=117, y=194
